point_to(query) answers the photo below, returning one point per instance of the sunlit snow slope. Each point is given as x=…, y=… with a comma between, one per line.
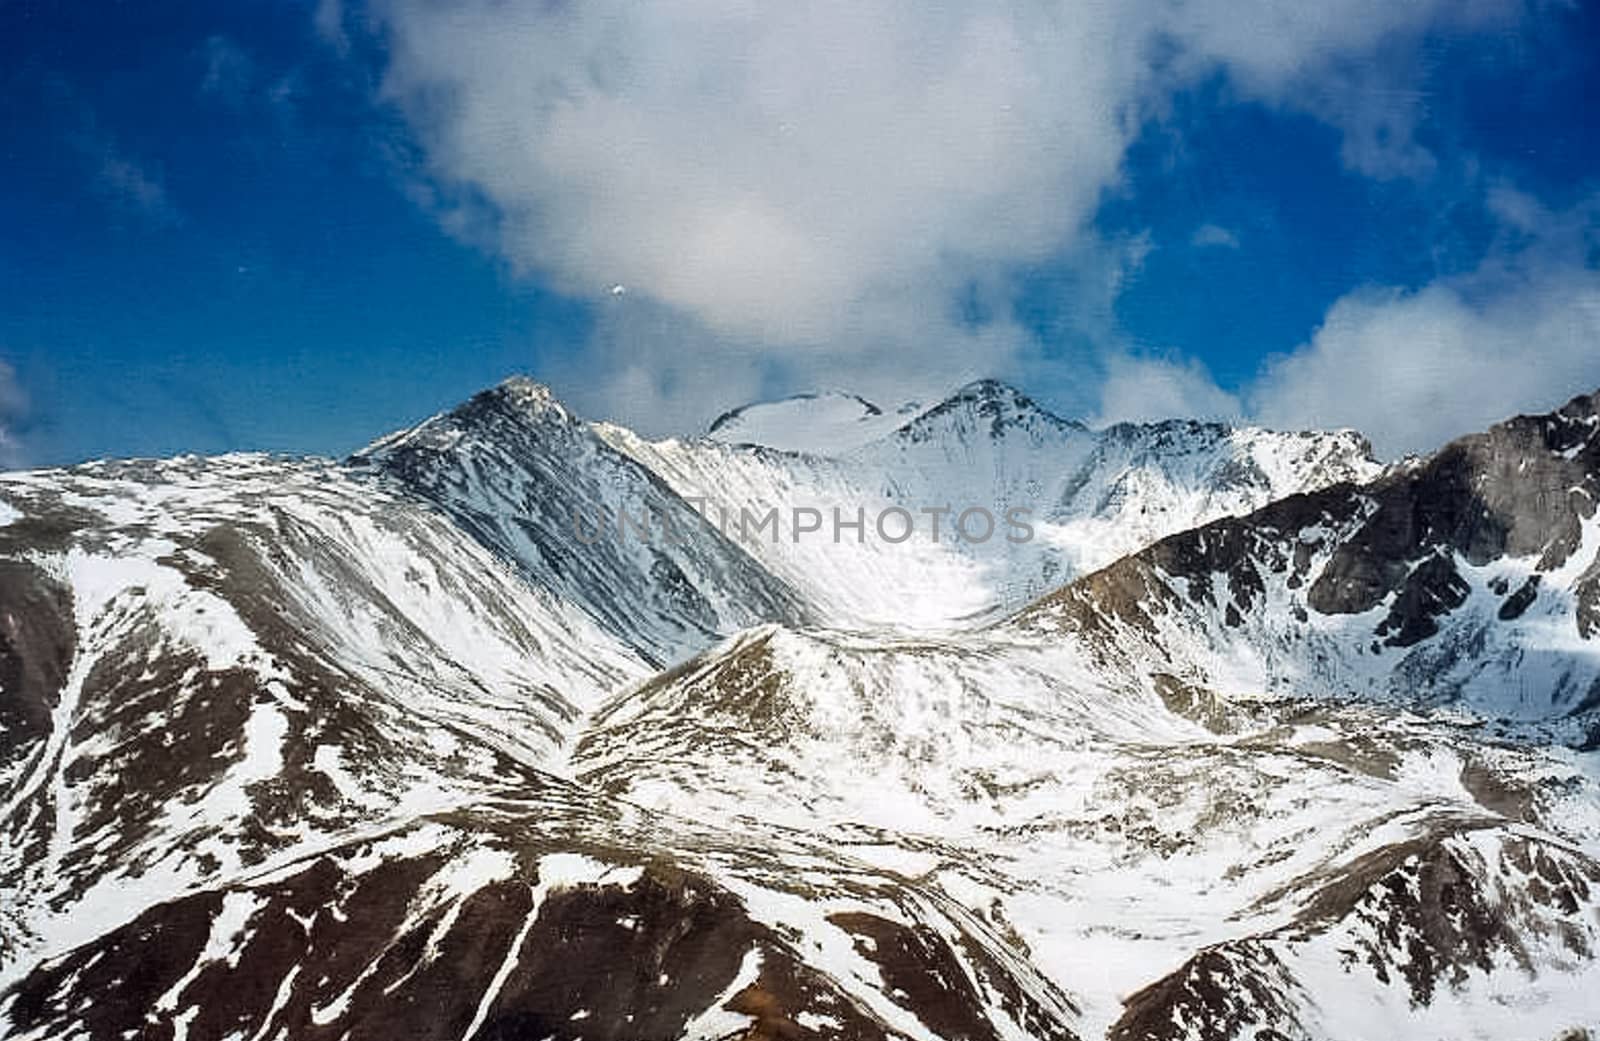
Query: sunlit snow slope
x=1087, y=497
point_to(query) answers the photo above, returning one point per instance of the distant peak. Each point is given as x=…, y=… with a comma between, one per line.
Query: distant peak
x=523, y=395
x=1567, y=429
x=992, y=394
x=1001, y=404
x=1138, y=429
x=516, y=399
x=1583, y=407
x=525, y=389
x=987, y=387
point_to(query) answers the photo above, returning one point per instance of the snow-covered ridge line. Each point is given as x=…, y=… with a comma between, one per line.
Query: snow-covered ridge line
x=1089, y=497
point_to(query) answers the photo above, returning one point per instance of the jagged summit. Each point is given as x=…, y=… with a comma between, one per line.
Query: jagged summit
x=542, y=489
x=527, y=392
x=990, y=407
x=990, y=393
x=514, y=403
x=1584, y=406
x=517, y=398
x=1566, y=429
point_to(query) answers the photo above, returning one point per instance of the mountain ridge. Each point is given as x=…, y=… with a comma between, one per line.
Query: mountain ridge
x=1091, y=496
x=299, y=748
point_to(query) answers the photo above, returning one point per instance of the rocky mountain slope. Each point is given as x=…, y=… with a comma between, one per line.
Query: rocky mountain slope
x=208, y=663
x=288, y=752
x=1469, y=579
x=1123, y=836
x=527, y=479
x=297, y=748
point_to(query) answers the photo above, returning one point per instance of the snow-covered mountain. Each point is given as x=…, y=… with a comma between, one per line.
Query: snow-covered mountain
x=519, y=473
x=211, y=663
x=1469, y=579
x=1126, y=838
x=1288, y=745
x=1086, y=497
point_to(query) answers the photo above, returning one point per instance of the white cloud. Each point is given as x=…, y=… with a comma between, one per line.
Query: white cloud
x=1413, y=369
x=781, y=172
x=830, y=176
x=1214, y=235
x=1351, y=63
x=634, y=367
x=1142, y=389
x=328, y=20
x=130, y=183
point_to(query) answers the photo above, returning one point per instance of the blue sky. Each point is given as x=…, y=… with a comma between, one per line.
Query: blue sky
x=270, y=225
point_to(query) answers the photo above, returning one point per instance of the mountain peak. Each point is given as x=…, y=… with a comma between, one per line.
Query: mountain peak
x=529, y=395
x=518, y=400
x=1567, y=431
x=851, y=402
x=987, y=387
x=986, y=401
x=1583, y=409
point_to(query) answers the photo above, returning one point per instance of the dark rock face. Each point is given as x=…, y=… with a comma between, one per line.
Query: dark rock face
x=405, y=949
x=1427, y=914
x=1239, y=991
x=1589, y=601
x=1239, y=552
x=1522, y=489
x=1433, y=588
x=1518, y=603
x=917, y=964
x=37, y=638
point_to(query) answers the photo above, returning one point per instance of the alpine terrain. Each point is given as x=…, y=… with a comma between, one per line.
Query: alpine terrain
x=950, y=720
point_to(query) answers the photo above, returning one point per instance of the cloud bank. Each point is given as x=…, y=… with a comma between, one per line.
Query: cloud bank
x=1413, y=369
x=1214, y=235
x=826, y=183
